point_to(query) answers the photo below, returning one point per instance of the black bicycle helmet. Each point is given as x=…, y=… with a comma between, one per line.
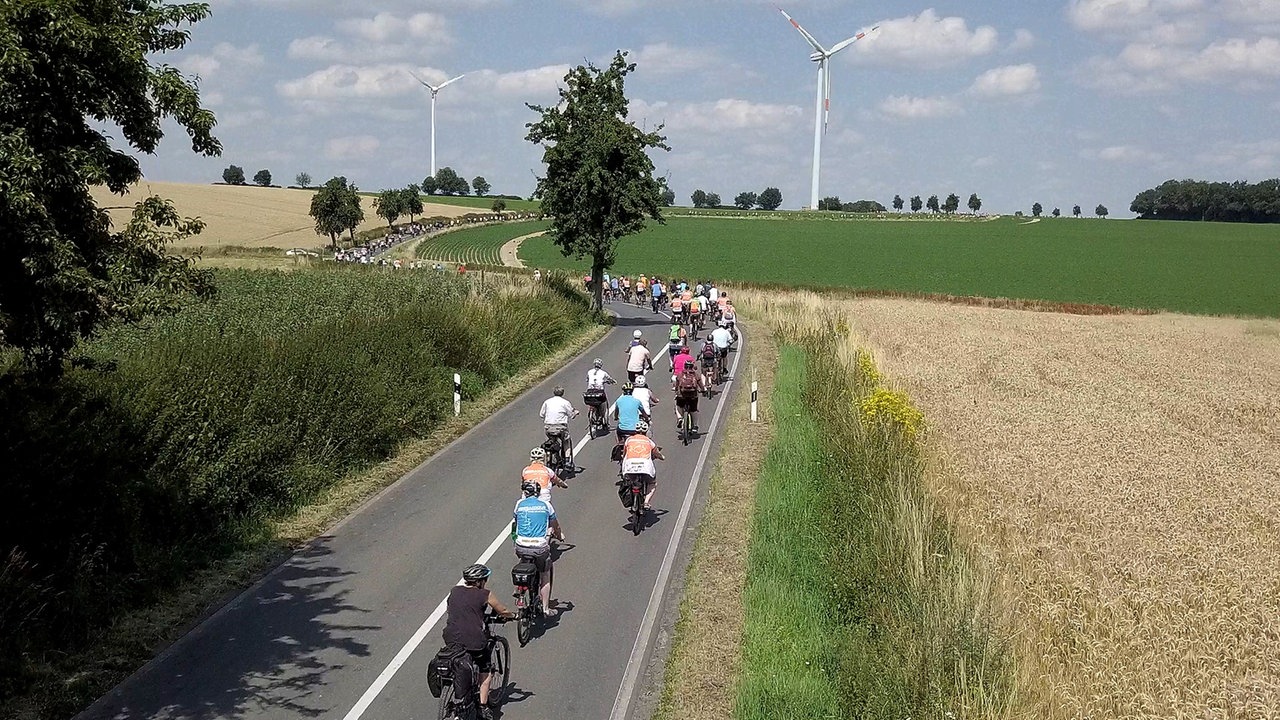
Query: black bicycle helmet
x=530, y=489
x=627, y=388
x=475, y=573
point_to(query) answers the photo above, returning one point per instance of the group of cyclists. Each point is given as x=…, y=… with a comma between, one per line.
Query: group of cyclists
x=535, y=523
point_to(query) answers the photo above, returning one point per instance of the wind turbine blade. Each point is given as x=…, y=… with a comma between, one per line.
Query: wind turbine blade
x=846, y=43
x=812, y=41
x=420, y=80
x=446, y=82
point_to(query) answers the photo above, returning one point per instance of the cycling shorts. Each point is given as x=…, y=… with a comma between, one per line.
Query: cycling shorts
x=539, y=556
x=688, y=404
x=483, y=660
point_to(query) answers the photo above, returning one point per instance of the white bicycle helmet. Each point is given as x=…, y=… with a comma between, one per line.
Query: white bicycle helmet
x=537, y=455
x=598, y=363
x=642, y=427
x=640, y=381
x=636, y=334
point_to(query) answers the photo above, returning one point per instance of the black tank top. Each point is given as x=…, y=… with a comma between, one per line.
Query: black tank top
x=465, y=621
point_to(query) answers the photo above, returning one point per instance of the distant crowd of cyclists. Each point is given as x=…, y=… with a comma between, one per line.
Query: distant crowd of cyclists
x=694, y=369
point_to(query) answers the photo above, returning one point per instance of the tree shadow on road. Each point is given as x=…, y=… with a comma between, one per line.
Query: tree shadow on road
x=266, y=654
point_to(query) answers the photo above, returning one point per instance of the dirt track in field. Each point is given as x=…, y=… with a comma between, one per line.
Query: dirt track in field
x=245, y=215
x=1122, y=473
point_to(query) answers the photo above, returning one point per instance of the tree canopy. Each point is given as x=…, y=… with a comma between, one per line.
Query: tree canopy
x=599, y=185
x=262, y=178
x=233, y=175
x=745, y=200
x=975, y=202
x=336, y=209
x=389, y=205
x=770, y=199
x=480, y=185
x=1211, y=201
x=64, y=273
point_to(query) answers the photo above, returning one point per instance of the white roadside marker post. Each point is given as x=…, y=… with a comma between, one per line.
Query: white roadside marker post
x=754, y=389
x=457, y=394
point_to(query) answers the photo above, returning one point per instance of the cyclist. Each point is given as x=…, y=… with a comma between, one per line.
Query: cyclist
x=677, y=309
x=722, y=339
x=535, y=522
x=628, y=411
x=679, y=361
x=638, y=454
x=644, y=395
x=638, y=357
x=696, y=308
x=613, y=289
x=688, y=383
x=556, y=413
x=655, y=290
x=675, y=341
x=708, y=356
x=730, y=317
x=464, y=623
x=595, y=395
x=539, y=474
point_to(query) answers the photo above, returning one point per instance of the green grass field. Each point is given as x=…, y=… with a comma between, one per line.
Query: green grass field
x=479, y=203
x=475, y=245
x=1207, y=268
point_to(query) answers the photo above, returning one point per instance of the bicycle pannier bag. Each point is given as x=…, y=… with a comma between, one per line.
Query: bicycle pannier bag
x=522, y=574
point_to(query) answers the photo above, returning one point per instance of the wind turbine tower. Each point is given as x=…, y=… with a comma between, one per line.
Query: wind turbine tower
x=435, y=90
x=822, y=57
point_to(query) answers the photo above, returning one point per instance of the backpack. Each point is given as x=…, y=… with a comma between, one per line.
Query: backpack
x=709, y=351
x=687, y=383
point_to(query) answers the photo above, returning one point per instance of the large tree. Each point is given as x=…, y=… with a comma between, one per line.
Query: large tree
x=481, y=186
x=713, y=200
x=449, y=182
x=897, y=203
x=233, y=175
x=430, y=186
x=1101, y=211
x=68, y=72
x=1036, y=209
x=336, y=209
x=599, y=185
x=303, y=180
x=830, y=203
x=952, y=204
x=389, y=205
x=975, y=203
x=932, y=203
x=745, y=200
x=262, y=178
x=770, y=198
x=699, y=198
x=411, y=202
x=916, y=203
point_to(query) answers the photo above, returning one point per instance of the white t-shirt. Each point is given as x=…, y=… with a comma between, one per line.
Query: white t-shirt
x=596, y=378
x=714, y=293
x=636, y=358
x=721, y=337
x=645, y=398
x=556, y=411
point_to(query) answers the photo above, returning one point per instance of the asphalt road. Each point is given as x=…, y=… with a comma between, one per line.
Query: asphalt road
x=345, y=628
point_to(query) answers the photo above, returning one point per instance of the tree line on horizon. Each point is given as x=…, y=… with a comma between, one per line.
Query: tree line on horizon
x=768, y=199
x=1210, y=201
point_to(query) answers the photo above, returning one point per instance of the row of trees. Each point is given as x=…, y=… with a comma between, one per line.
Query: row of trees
x=1037, y=210
x=1218, y=201
x=769, y=199
x=234, y=175
x=862, y=206
x=447, y=181
x=391, y=204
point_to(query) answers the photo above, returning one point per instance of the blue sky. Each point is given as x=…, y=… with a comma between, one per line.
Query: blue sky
x=1050, y=101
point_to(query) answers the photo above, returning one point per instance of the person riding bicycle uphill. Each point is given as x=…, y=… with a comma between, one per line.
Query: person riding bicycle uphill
x=638, y=454
x=464, y=623
x=556, y=413
x=628, y=411
x=595, y=395
x=688, y=383
x=638, y=357
x=722, y=338
x=679, y=361
x=677, y=309
x=676, y=338
x=539, y=474
x=655, y=290
x=709, y=355
x=644, y=395
x=534, y=521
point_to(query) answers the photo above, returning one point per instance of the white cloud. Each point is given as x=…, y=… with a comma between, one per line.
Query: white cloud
x=720, y=115
x=352, y=147
x=1252, y=12
x=385, y=26
x=911, y=108
x=1023, y=39
x=1121, y=15
x=323, y=90
x=1147, y=67
x=667, y=59
x=1126, y=154
x=927, y=40
x=224, y=55
x=1007, y=80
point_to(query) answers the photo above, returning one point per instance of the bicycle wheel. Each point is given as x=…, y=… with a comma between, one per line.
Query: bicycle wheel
x=500, y=655
x=446, y=702
x=637, y=512
x=524, y=624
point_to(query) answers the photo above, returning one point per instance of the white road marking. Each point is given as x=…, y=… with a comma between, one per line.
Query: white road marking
x=434, y=618
x=634, y=665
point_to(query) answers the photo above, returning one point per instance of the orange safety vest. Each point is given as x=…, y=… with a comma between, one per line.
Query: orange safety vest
x=638, y=447
x=676, y=304
x=537, y=473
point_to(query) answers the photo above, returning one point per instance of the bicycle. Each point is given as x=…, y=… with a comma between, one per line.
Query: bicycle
x=710, y=377
x=595, y=400
x=555, y=447
x=684, y=427
x=527, y=581
x=634, y=483
x=499, y=659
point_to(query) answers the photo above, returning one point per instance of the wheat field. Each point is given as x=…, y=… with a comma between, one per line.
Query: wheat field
x=1120, y=473
x=244, y=215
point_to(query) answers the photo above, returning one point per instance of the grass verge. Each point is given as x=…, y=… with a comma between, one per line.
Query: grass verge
x=700, y=675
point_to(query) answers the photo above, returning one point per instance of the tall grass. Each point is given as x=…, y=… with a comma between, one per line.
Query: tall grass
x=898, y=617
x=174, y=443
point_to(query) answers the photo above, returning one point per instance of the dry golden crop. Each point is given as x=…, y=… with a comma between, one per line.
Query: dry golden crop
x=244, y=215
x=1121, y=473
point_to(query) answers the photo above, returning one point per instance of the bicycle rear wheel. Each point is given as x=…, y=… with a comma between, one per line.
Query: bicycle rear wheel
x=637, y=512
x=524, y=624
x=500, y=678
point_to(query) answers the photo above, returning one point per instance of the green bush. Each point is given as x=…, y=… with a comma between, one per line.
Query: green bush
x=172, y=443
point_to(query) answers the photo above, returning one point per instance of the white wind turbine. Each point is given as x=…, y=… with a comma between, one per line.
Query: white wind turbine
x=822, y=56
x=435, y=90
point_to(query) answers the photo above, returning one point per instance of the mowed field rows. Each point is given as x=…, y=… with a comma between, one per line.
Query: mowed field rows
x=1208, y=268
x=475, y=245
x=244, y=215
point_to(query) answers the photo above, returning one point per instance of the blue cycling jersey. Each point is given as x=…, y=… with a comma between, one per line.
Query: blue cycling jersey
x=533, y=519
x=629, y=408
x=657, y=290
